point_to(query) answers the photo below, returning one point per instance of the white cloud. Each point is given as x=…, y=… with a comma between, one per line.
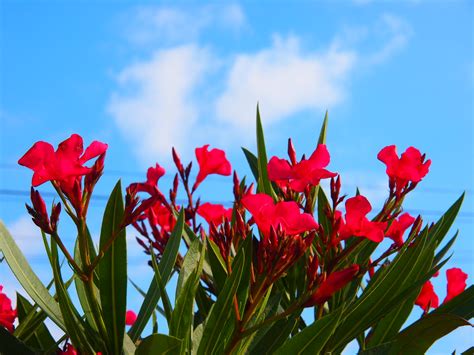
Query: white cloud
x=160, y=24
x=396, y=33
x=285, y=80
x=175, y=98
x=27, y=236
x=154, y=107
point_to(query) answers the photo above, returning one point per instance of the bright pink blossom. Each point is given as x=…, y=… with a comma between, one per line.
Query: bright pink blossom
x=427, y=298
x=70, y=350
x=299, y=175
x=130, y=317
x=398, y=228
x=214, y=213
x=332, y=284
x=154, y=174
x=356, y=222
x=267, y=214
x=64, y=164
x=211, y=162
x=410, y=167
x=456, y=283
x=7, y=313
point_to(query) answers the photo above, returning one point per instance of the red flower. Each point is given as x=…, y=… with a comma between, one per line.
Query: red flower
x=69, y=350
x=64, y=164
x=214, y=213
x=299, y=175
x=130, y=318
x=332, y=284
x=398, y=228
x=285, y=214
x=7, y=314
x=410, y=167
x=154, y=174
x=211, y=162
x=357, y=224
x=456, y=283
x=427, y=298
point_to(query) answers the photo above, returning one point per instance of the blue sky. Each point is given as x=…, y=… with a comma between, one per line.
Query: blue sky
x=143, y=77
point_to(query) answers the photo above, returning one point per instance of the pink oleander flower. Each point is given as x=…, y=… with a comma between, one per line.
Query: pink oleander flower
x=64, y=164
x=286, y=215
x=398, y=228
x=335, y=281
x=427, y=298
x=410, y=167
x=214, y=213
x=211, y=162
x=308, y=172
x=154, y=174
x=356, y=222
x=130, y=317
x=7, y=313
x=456, y=283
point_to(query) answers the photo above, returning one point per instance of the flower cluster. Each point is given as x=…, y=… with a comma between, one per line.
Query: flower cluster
x=7, y=313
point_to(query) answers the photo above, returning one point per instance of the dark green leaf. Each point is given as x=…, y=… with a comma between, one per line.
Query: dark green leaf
x=159, y=344
x=166, y=266
x=253, y=162
x=219, y=271
x=264, y=184
x=420, y=336
x=39, y=337
x=217, y=324
x=11, y=345
x=27, y=278
x=322, y=133
x=182, y=318
x=113, y=270
x=314, y=337
x=164, y=295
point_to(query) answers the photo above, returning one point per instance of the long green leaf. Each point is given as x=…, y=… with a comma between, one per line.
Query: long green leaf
x=219, y=271
x=39, y=336
x=166, y=266
x=215, y=325
x=11, y=345
x=113, y=270
x=164, y=295
x=27, y=278
x=159, y=344
x=74, y=326
x=419, y=338
x=253, y=162
x=313, y=338
x=264, y=184
x=182, y=317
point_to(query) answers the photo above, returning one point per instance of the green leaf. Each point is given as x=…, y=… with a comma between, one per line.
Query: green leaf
x=141, y=292
x=81, y=291
x=182, y=318
x=39, y=337
x=314, y=337
x=275, y=336
x=386, y=291
x=166, y=266
x=164, y=295
x=219, y=271
x=27, y=278
x=216, y=324
x=72, y=320
x=245, y=251
x=159, y=344
x=113, y=270
x=322, y=133
x=253, y=162
x=11, y=345
x=420, y=336
x=264, y=184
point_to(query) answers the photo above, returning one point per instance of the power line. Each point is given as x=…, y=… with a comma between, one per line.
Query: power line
x=103, y=198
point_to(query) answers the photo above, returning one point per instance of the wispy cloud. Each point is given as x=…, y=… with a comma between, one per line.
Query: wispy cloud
x=154, y=106
x=285, y=80
x=27, y=236
x=158, y=24
x=186, y=89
